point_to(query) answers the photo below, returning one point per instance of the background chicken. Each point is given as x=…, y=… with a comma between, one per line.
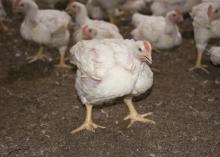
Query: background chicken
x=2, y=17
x=98, y=8
x=215, y=55
x=45, y=27
x=134, y=6
x=103, y=28
x=162, y=7
x=162, y=33
x=99, y=74
x=206, y=25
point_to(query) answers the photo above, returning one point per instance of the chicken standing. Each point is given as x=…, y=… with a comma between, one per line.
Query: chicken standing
x=103, y=29
x=45, y=27
x=162, y=33
x=215, y=55
x=105, y=64
x=206, y=24
x=2, y=17
x=162, y=7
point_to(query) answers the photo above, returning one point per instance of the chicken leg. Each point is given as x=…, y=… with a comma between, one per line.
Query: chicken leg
x=62, y=63
x=4, y=27
x=38, y=56
x=134, y=116
x=199, y=64
x=88, y=123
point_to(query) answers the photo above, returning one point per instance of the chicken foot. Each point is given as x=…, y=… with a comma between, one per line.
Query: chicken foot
x=4, y=27
x=62, y=63
x=38, y=56
x=199, y=64
x=134, y=116
x=88, y=123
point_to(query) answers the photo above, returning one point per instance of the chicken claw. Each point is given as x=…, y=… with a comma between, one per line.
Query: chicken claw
x=62, y=63
x=199, y=64
x=202, y=67
x=88, y=123
x=134, y=116
x=38, y=56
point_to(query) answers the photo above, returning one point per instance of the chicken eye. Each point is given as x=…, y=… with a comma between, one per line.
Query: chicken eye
x=139, y=49
x=216, y=11
x=90, y=30
x=21, y=5
x=174, y=15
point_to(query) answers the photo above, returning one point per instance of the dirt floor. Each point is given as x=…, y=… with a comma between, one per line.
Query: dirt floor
x=39, y=107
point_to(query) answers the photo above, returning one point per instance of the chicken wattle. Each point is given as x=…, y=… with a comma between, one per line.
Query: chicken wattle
x=103, y=65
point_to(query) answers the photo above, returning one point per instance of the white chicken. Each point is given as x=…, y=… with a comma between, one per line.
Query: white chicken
x=162, y=33
x=206, y=24
x=98, y=8
x=103, y=29
x=99, y=74
x=2, y=17
x=215, y=55
x=134, y=5
x=50, y=3
x=162, y=7
x=45, y=27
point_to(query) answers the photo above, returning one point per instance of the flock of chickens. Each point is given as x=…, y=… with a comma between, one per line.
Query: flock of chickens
x=109, y=66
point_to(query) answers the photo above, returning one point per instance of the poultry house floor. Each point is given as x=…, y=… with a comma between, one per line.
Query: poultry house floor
x=39, y=107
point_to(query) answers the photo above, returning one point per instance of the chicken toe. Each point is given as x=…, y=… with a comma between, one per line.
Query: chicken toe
x=134, y=116
x=199, y=64
x=38, y=56
x=88, y=123
x=62, y=63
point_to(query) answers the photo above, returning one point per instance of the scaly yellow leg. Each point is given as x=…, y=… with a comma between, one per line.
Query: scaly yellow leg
x=88, y=123
x=4, y=27
x=134, y=116
x=38, y=56
x=199, y=64
x=62, y=63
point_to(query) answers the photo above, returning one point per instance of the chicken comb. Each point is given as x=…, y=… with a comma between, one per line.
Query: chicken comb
x=17, y=2
x=210, y=11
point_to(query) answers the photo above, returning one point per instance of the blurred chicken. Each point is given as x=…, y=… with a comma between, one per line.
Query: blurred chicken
x=103, y=29
x=45, y=27
x=215, y=55
x=88, y=32
x=98, y=8
x=206, y=23
x=133, y=6
x=50, y=3
x=2, y=17
x=162, y=7
x=162, y=33
x=108, y=69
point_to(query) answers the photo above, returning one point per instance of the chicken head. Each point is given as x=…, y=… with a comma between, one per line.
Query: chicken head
x=144, y=51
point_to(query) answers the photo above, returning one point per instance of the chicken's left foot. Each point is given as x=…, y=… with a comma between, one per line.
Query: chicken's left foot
x=62, y=63
x=134, y=116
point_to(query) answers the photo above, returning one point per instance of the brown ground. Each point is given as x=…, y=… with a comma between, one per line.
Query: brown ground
x=39, y=108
